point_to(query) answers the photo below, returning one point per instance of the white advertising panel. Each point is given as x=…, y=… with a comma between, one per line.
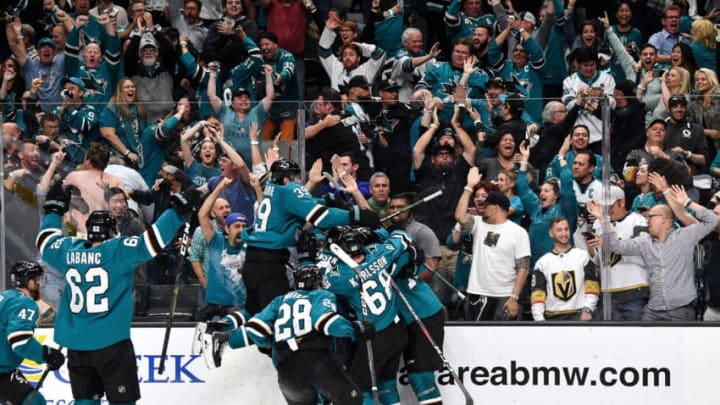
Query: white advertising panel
x=499, y=365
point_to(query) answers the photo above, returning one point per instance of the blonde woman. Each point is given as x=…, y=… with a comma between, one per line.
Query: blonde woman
x=705, y=106
x=703, y=43
x=674, y=81
x=123, y=121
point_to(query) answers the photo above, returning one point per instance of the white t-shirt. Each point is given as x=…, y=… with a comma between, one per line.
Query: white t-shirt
x=496, y=247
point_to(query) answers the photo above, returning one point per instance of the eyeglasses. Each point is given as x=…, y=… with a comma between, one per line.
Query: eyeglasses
x=560, y=112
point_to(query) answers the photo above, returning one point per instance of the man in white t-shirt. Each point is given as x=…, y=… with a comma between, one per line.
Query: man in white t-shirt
x=501, y=256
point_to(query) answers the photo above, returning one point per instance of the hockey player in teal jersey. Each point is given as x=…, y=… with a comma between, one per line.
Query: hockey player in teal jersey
x=377, y=263
x=95, y=312
x=421, y=359
x=18, y=316
x=298, y=327
x=285, y=208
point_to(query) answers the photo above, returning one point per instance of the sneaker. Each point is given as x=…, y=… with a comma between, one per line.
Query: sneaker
x=197, y=343
x=213, y=348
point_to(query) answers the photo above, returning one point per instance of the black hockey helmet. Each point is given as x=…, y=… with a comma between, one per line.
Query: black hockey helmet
x=333, y=234
x=308, y=277
x=352, y=242
x=283, y=168
x=23, y=271
x=100, y=225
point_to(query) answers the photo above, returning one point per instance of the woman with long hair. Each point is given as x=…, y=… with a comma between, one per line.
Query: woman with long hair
x=682, y=56
x=703, y=43
x=630, y=36
x=506, y=182
x=674, y=81
x=704, y=108
x=123, y=121
x=588, y=37
x=554, y=200
x=11, y=91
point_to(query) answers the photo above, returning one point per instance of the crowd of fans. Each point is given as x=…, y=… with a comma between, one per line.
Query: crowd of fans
x=501, y=105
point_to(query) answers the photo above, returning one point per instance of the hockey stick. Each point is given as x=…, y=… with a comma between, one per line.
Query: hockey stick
x=413, y=205
x=39, y=384
x=446, y=364
x=176, y=291
x=445, y=281
x=342, y=255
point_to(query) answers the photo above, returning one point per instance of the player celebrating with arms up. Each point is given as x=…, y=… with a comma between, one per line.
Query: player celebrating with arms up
x=286, y=206
x=95, y=312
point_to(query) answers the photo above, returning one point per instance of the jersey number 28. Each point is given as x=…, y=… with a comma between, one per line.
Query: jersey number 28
x=294, y=320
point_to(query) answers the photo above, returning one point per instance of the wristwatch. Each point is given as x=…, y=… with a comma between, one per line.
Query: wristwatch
x=588, y=310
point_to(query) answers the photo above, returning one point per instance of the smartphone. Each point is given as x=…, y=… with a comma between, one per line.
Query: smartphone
x=658, y=72
x=588, y=235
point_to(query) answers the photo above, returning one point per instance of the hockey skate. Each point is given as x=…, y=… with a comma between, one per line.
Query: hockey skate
x=214, y=346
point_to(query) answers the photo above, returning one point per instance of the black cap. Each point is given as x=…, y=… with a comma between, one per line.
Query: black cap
x=677, y=99
x=447, y=132
x=240, y=91
x=358, y=81
x=658, y=121
x=389, y=85
x=268, y=35
x=499, y=199
x=443, y=148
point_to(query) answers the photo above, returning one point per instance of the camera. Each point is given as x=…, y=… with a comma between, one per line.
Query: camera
x=658, y=72
x=588, y=235
x=66, y=93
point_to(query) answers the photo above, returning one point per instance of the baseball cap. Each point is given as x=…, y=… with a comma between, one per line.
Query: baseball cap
x=148, y=40
x=447, y=132
x=235, y=217
x=616, y=193
x=240, y=91
x=529, y=17
x=677, y=99
x=657, y=121
x=358, y=81
x=74, y=80
x=499, y=199
x=46, y=42
x=389, y=85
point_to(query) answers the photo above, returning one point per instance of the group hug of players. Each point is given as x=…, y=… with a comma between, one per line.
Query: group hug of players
x=325, y=340
x=356, y=308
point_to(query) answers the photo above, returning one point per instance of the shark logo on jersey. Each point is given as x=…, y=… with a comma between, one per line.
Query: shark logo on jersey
x=522, y=85
x=94, y=85
x=564, y=285
x=449, y=90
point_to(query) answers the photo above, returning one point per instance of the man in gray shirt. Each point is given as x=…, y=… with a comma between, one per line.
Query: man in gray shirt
x=667, y=253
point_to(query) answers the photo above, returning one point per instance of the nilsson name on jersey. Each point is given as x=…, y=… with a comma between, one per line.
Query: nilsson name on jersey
x=378, y=265
x=83, y=258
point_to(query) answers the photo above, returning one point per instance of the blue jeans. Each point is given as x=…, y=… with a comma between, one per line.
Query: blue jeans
x=629, y=310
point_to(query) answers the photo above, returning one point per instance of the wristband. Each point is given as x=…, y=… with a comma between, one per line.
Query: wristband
x=20, y=37
x=457, y=227
x=127, y=153
x=588, y=310
x=254, y=142
x=468, y=189
x=688, y=154
x=390, y=12
x=477, y=123
x=183, y=44
x=515, y=297
x=687, y=203
x=667, y=191
x=434, y=126
x=641, y=87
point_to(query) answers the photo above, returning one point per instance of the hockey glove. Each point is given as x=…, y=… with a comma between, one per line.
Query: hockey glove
x=363, y=217
x=364, y=329
x=53, y=357
x=186, y=202
x=58, y=199
x=307, y=246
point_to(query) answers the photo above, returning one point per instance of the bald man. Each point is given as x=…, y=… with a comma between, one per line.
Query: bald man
x=667, y=254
